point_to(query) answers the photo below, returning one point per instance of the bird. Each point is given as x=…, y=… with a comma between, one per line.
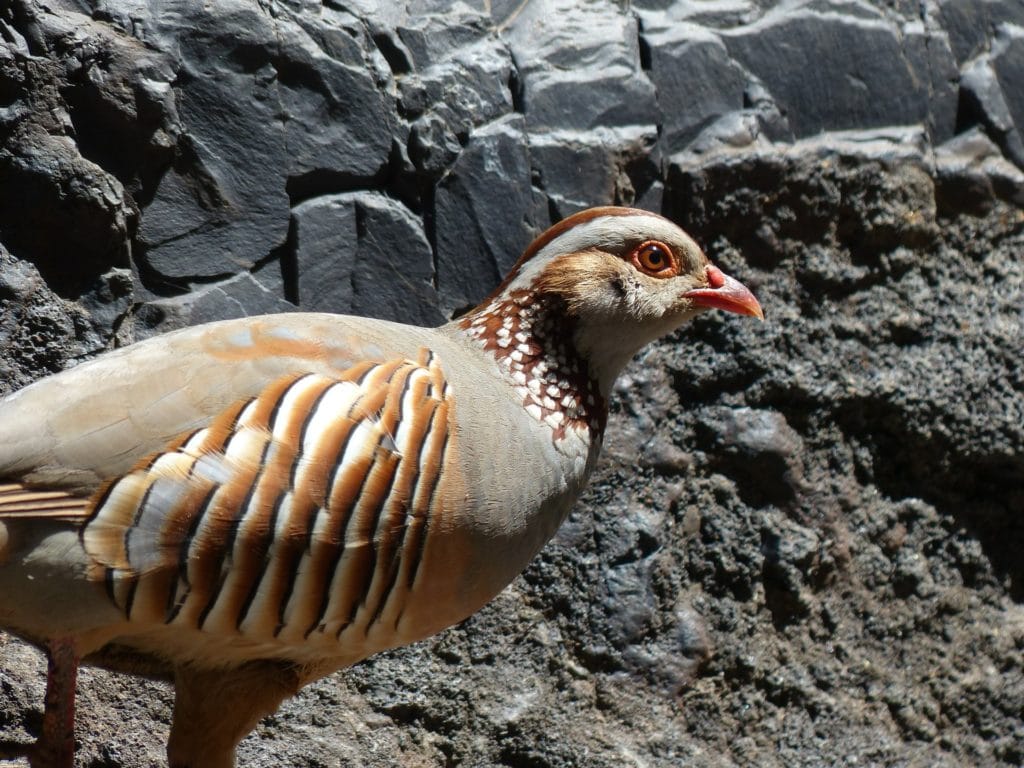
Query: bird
x=248, y=505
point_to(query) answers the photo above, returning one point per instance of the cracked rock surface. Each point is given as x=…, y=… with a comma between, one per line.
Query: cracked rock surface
x=802, y=544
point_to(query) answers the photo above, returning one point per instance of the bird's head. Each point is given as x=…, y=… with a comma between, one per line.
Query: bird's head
x=621, y=278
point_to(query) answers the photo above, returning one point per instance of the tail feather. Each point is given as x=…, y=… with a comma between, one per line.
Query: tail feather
x=18, y=501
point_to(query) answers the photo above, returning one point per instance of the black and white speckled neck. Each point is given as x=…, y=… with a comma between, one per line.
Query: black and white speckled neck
x=531, y=337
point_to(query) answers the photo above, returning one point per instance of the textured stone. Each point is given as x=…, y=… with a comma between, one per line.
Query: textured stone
x=594, y=122
x=792, y=565
x=697, y=80
x=583, y=71
x=1008, y=66
x=828, y=70
x=448, y=98
x=424, y=33
x=972, y=175
x=239, y=296
x=59, y=206
x=971, y=23
x=759, y=450
x=325, y=244
x=37, y=331
x=580, y=170
x=472, y=81
x=312, y=112
x=697, y=194
x=483, y=214
x=363, y=253
x=986, y=104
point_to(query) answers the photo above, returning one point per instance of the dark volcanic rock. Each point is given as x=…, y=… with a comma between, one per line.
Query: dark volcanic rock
x=239, y=296
x=970, y=25
x=362, y=253
x=582, y=72
x=803, y=538
x=483, y=213
x=1008, y=66
x=592, y=124
x=836, y=71
x=37, y=329
x=313, y=115
x=985, y=103
x=54, y=190
x=971, y=175
x=697, y=80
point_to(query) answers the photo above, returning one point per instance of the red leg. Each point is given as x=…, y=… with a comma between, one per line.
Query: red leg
x=55, y=747
x=215, y=709
x=56, y=744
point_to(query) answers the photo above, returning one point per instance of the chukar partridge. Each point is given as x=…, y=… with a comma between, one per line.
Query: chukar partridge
x=245, y=506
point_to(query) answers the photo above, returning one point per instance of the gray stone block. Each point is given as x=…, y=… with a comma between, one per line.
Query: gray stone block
x=828, y=69
x=363, y=253
x=580, y=66
x=696, y=78
x=972, y=23
x=301, y=105
x=483, y=213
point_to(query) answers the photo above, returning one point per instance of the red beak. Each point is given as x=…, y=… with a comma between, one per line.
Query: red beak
x=724, y=292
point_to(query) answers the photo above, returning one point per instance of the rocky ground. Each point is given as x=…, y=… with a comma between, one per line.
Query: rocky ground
x=802, y=545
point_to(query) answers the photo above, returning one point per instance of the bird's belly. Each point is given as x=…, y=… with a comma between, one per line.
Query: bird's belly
x=325, y=611
x=450, y=583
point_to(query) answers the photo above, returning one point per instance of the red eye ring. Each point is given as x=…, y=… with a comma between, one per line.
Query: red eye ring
x=654, y=258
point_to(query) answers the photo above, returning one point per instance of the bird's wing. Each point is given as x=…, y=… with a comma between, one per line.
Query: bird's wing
x=74, y=431
x=295, y=509
x=17, y=500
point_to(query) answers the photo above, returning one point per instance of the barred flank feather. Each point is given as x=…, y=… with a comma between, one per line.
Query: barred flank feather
x=304, y=510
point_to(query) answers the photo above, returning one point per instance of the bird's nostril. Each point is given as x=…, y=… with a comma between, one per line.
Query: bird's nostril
x=716, y=278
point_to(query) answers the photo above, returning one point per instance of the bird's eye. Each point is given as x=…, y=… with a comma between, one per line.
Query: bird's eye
x=655, y=259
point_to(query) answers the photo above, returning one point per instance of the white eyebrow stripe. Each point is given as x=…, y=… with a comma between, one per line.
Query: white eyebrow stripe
x=607, y=233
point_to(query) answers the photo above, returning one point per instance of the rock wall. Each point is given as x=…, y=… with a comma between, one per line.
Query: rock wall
x=802, y=546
